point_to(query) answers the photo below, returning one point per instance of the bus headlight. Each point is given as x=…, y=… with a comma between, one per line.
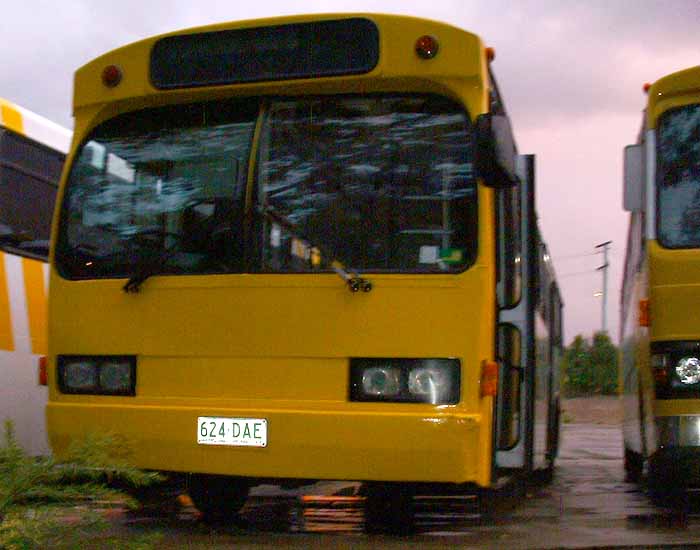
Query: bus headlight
x=80, y=376
x=97, y=375
x=116, y=376
x=676, y=369
x=381, y=381
x=688, y=370
x=435, y=381
x=432, y=383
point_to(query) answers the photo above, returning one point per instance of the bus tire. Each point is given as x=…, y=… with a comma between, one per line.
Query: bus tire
x=552, y=445
x=665, y=487
x=634, y=466
x=218, y=498
x=388, y=508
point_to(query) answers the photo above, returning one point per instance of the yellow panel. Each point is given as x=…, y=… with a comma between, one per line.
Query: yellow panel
x=36, y=303
x=674, y=293
x=333, y=444
x=675, y=90
x=6, y=340
x=11, y=117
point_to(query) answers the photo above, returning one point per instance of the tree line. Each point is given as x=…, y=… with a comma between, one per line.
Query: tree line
x=590, y=366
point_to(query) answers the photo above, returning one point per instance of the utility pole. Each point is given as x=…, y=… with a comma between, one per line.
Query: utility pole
x=604, y=268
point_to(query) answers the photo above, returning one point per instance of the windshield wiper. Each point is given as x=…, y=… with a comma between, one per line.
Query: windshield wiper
x=133, y=285
x=350, y=276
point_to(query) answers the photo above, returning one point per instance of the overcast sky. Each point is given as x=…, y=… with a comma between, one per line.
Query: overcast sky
x=571, y=73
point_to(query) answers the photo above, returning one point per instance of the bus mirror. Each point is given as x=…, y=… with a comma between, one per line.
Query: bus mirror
x=633, y=198
x=495, y=151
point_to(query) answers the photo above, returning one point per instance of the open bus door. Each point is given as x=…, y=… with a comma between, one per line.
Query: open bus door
x=518, y=273
x=529, y=340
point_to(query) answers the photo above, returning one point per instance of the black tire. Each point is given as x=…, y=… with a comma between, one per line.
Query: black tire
x=218, y=498
x=634, y=466
x=665, y=487
x=547, y=475
x=158, y=498
x=388, y=508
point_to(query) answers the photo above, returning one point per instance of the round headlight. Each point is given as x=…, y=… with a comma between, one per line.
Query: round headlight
x=115, y=376
x=429, y=382
x=80, y=375
x=688, y=370
x=380, y=381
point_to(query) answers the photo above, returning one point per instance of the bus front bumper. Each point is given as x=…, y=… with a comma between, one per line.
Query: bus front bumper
x=303, y=444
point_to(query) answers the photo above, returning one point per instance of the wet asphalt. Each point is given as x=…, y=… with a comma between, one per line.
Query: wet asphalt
x=586, y=505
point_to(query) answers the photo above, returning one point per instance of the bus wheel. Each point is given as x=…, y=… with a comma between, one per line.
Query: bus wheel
x=665, y=488
x=160, y=497
x=218, y=498
x=634, y=466
x=388, y=508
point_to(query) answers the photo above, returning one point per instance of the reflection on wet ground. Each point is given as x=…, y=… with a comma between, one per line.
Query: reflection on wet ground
x=586, y=505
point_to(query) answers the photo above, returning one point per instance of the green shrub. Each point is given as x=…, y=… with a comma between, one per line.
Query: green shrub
x=590, y=367
x=46, y=504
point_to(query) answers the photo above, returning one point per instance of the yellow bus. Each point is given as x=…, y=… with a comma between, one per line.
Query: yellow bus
x=32, y=151
x=304, y=248
x=660, y=337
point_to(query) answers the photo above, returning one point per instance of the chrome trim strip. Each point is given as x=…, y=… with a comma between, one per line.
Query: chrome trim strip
x=650, y=176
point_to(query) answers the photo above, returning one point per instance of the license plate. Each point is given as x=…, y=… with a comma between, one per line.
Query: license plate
x=237, y=432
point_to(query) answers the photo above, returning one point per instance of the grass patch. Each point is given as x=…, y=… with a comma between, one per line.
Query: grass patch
x=45, y=503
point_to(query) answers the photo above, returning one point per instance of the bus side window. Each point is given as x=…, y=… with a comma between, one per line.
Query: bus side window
x=29, y=174
x=509, y=247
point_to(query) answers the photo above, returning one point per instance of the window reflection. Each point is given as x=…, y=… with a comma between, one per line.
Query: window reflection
x=159, y=188
x=377, y=183
x=679, y=178
x=381, y=183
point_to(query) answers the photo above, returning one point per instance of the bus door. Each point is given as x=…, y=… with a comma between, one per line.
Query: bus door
x=515, y=336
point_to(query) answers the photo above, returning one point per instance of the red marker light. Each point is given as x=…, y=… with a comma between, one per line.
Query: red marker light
x=490, y=54
x=427, y=47
x=111, y=76
x=646, y=87
x=43, y=373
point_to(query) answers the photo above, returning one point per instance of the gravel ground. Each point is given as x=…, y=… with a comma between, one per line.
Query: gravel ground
x=599, y=409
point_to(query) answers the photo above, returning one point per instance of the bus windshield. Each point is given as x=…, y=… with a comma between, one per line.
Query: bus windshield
x=679, y=178
x=379, y=183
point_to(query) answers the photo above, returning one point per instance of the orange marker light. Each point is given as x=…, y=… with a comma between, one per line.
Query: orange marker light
x=644, y=314
x=427, y=47
x=111, y=76
x=489, y=378
x=490, y=54
x=43, y=372
x=646, y=87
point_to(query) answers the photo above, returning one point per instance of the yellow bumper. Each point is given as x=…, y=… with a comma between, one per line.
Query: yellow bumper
x=318, y=444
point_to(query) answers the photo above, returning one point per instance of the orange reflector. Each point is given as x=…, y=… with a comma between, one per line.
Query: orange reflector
x=489, y=378
x=490, y=54
x=427, y=47
x=111, y=76
x=646, y=87
x=644, y=317
x=661, y=375
x=43, y=373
